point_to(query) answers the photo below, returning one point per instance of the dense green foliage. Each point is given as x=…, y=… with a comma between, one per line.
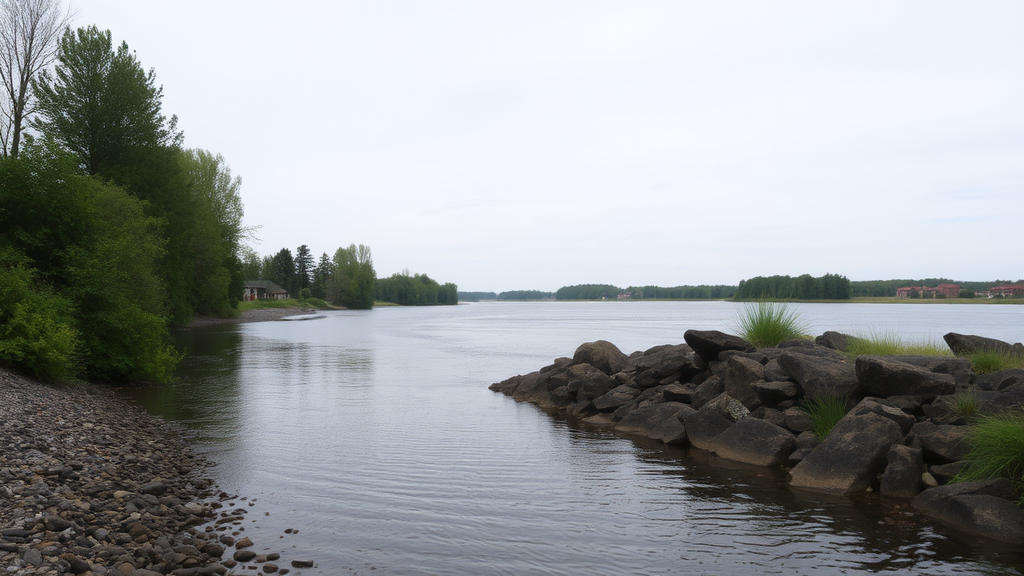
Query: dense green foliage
x=988, y=361
x=525, y=295
x=702, y=292
x=767, y=323
x=588, y=292
x=805, y=287
x=354, y=283
x=110, y=232
x=416, y=290
x=476, y=296
x=997, y=450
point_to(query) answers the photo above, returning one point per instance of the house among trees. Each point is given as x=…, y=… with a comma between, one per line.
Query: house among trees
x=940, y=291
x=263, y=290
x=1008, y=291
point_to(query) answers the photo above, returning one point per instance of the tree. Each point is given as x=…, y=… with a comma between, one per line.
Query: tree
x=303, y=266
x=353, y=284
x=29, y=34
x=282, y=271
x=101, y=104
x=321, y=276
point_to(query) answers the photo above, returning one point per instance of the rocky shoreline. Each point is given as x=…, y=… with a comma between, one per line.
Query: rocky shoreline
x=92, y=484
x=903, y=434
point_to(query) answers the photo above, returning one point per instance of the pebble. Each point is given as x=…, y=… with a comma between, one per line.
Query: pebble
x=92, y=484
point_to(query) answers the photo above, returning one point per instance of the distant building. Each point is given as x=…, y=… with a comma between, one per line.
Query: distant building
x=943, y=290
x=1008, y=291
x=263, y=290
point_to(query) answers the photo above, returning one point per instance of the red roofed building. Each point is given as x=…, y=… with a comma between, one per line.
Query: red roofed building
x=942, y=290
x=1008, y=291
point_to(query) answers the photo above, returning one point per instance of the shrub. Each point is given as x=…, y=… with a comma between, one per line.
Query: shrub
x=890, y=343
x=305, y=294
x=767, y=323
x=997, y=450
x=825, y=413
x=988, y=361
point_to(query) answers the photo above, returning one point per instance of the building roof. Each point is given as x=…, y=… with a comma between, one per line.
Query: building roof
x=264, y=284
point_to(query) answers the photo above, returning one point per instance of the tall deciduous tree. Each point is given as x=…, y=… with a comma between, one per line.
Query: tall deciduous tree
x=354, y=282
x=29, y=35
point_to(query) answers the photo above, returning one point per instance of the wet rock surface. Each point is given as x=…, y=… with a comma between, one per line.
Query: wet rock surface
x=91, y=484
x=902, y=435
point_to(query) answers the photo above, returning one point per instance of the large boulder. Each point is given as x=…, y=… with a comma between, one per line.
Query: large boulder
x=958, y=368
x=850, y=457
x=902, y=477
x=618, y=396
x=707, y=391
x=965, y=345
x=602, y=355
x=833, y=340
x=676, y=362
x=997, y=381
x=712, y=419
x=772, y=393
x=708, y=344
x=821, y=375
x=942, y=444
x=756, y=442
x=980, y=508
x=740, y=375
x=659, y=422
x=882, y=376
x=874, y=406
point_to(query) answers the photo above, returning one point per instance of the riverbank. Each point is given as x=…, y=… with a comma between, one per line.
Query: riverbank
x=92, y=485
x=254, y=315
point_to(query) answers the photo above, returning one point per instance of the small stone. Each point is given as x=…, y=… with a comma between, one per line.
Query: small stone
x=273, y=556
x=122, y=494
x=243, y=543
x=928, y=480
x=270, y=568
x=33, y=557
x=227, y=540
x=244, y=555
x=302, y=563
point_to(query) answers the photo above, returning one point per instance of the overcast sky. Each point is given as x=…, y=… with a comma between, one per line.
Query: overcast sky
x=519, y=144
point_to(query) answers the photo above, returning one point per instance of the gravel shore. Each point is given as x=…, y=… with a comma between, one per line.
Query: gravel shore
x=92, y=484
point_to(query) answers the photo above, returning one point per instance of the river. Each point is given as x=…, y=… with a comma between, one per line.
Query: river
x=374, y=435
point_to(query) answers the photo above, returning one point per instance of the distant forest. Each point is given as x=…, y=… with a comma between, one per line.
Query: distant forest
x=804, y=287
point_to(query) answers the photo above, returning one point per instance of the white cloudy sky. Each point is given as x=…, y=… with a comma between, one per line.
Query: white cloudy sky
x=516, y=144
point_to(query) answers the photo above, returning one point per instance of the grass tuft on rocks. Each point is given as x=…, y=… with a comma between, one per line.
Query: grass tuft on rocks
x=997, y=450
x=890, y=343
x=825, y=412
x=988, y=361
x=966, y=403
x=767, y=323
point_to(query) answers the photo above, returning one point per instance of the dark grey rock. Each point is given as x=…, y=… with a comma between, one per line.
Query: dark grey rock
x=821, y=376
x=942, y=444
x=771, y=393
x=902, y=476
x=602, y=355
x=997, y=381
x=708, y=391
x=958, y=368
x=679, y=393
x=659, y=422
x=740, y=374
x=965, y=345
x=980, y=508
x=618, y=396
x=850, y=458
x=945, y=473
x=756, y=442
x=712, y=419
x=708, y=344
x=874, y=406
x=882, y=376
x=833, y=340
x=797, y=419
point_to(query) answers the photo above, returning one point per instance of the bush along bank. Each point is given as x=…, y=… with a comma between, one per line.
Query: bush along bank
x=91, y=484
x=905, y=433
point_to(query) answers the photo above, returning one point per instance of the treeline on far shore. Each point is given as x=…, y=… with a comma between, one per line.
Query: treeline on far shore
x=803, y=287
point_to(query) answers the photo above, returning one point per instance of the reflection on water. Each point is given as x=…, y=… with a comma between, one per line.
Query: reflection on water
x=374, y=433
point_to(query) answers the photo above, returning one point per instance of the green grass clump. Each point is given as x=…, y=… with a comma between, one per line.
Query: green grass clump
x=997, y=450
x=966, y=403
x=766, y=323
x=988, y=361
x=825, y=413
x=892, y=344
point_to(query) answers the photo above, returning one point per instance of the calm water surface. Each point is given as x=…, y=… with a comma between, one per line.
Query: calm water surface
x=374, y=434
